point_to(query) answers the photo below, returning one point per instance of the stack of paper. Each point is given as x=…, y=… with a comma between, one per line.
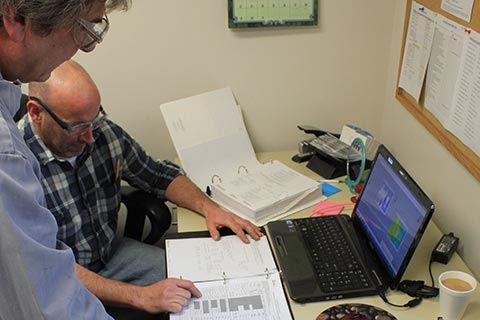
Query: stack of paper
x=266, y=192
x=212, y=143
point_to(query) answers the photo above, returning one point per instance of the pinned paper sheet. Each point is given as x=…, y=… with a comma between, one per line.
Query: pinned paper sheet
x=328, y=189
x=418, y=46
x=459, y=8
x=327, y=208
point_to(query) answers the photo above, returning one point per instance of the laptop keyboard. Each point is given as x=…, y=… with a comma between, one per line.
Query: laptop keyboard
x=336, y=266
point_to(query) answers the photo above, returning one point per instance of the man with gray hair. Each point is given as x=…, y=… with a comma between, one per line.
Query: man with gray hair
x=37, y=271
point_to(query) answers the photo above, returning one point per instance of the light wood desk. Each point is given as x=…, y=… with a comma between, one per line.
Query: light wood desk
x=417, y=270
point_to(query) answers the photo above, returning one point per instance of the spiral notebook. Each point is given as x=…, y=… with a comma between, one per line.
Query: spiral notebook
x=215, y=151
x=237, y=281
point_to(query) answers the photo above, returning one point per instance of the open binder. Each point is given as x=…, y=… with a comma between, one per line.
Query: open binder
x=236, y=280
x=215, y=151
x=268, y=191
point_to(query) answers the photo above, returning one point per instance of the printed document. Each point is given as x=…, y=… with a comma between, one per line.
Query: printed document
x=237, y=280
x=459, y=8
x=256, y=298
x=417, y=49
x=216, y=260
x=464, y=119
x=270, y=189
x=443, y=67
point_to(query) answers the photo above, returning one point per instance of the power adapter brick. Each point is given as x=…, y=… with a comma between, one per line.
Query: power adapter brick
x=445, y=248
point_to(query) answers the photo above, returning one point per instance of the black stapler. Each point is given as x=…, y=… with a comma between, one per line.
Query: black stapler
x=305, y=152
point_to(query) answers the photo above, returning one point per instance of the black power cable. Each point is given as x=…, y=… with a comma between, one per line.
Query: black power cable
x=414, y=288
x=417, y=289
x=410, y=304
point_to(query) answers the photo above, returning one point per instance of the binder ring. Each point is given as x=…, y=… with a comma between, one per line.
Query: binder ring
x=217, y=177
x=242, y=167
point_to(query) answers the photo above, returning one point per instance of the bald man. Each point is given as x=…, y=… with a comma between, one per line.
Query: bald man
x=83, y=157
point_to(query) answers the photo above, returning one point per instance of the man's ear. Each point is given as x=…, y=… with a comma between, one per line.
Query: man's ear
x=15, y=28
x=35, y=112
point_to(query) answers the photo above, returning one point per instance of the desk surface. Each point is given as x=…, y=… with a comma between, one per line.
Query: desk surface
x=417, y=270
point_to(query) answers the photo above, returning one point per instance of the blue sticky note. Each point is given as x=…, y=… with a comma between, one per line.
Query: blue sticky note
x=328, y=189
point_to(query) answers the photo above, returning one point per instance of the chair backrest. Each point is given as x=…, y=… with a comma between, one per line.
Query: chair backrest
x=23, y=108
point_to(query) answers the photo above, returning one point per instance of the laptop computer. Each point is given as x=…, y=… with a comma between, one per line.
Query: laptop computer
x=335, y=257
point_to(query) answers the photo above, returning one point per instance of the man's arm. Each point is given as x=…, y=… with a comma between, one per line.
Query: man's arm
x=183, y=192
x=17, y=298
x=165, y=179
x=169, y=295
x=50, y=268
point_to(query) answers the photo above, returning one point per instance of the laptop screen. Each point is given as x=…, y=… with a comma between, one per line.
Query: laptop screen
x=393, y=212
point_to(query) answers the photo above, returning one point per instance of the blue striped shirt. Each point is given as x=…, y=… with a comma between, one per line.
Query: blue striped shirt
x=29, y=230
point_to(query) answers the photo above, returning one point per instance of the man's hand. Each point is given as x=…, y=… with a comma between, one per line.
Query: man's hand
x=169, y=295
x=217, y=217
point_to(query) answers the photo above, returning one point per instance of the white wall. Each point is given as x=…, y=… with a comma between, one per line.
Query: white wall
x=452, y=188
x=342, y=71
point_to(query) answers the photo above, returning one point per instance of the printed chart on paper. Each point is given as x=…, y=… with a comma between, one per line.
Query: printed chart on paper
x=238, y=300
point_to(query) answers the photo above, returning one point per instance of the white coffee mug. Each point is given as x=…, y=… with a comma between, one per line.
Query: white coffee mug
x=456, y=289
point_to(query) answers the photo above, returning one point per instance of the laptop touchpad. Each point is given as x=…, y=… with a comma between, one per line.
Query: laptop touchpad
x=296, y=266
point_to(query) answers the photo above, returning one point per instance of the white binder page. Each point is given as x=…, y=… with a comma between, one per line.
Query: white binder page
x=465, y=114
x=459, y=8
x=204, y=259
x=241, y=299
x=220, y=159
x=201, y=118
x=417, y=49
x=443, y=67
x=209, y=135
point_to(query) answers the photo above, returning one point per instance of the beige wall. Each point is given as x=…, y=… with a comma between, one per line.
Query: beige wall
x=165, y=50
x=342, y=71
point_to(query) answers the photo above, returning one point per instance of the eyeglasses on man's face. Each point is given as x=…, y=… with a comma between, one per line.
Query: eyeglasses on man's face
x=73, y=128
x=88, y=34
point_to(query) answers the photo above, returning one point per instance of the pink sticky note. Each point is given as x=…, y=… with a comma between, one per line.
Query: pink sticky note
x=326, y=208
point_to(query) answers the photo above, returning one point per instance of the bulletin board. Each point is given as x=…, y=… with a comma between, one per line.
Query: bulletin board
x=459, y=150
x=265, y=13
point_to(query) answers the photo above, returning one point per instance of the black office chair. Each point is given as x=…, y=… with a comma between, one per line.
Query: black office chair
x=141, y=204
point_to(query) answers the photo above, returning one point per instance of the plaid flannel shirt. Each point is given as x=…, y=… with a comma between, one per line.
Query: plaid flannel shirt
x=85, y=199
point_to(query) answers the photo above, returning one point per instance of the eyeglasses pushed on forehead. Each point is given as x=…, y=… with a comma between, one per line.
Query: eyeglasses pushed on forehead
x=75, y=128
x=91, y=33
